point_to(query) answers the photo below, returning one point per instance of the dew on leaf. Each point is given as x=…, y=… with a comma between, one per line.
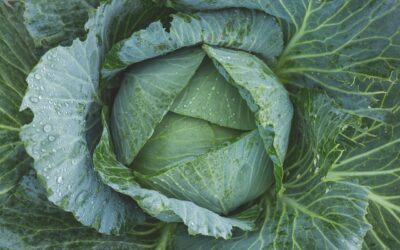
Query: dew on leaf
x=34, y=99
x=59, y=179
x=47, y=128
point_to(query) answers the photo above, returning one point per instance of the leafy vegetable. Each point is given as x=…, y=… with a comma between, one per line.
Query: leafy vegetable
x=181, y=124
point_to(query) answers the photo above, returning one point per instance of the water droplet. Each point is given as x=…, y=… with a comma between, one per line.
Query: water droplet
x=51, y=138
x=38, y=77
x=33, y=99
x=59, y=179
x=298, y=176
x=47, y=128
x=327, y=190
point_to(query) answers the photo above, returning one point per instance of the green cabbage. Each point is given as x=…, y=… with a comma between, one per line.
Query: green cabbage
x=180, y=124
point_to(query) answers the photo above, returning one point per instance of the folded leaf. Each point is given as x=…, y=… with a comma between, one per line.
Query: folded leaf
x=122, y=179
x=311, y=213
x=264, y=95
x=240, y=29
x=146, y=95
x=180, y=138
x=221, y=179
x=210, y=97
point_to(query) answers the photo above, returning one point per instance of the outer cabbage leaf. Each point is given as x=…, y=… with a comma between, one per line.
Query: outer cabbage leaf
x=373, y=160
x=16, y=60
x=345, y=47
x=342, y=46
x=29, y=221
x=291, y=10
x=311, y=213
x=122, y=179
x=264, y=95
x=51, y=23
x=241, y=29
x=63, y=95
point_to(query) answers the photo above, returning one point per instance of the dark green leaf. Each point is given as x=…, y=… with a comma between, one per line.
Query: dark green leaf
x=51, y=23
x=16, y=60
x=29, y=221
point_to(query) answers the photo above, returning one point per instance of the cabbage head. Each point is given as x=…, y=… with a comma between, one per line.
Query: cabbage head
x=182, y=124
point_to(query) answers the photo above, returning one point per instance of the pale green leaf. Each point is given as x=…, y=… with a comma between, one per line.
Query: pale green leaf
x=179, y=138
x=222, y=179
x=122, y=179
x=146, y=95
x=241, y=29
x=312, y=213
x=63, y=95
x=264, y=95
x=210, y=97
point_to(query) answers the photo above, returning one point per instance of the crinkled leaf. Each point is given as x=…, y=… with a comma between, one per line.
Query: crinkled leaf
x=29, y=221
x=63, y=95
x=342, y=46
x=264, y=95
x=146, y=95
x=311, y=214
x=16, y=60
x=122, y=179
x=289, y=10
x=241, y=29
x=374, y=161
x=345, y=47
x=210, y=97
x=51, y=23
